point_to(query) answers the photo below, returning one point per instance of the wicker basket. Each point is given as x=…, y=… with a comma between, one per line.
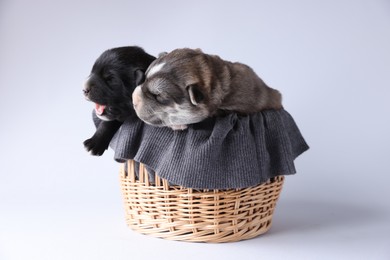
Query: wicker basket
x=178, y=213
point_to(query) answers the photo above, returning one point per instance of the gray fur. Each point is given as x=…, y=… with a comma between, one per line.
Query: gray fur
x=187, y=86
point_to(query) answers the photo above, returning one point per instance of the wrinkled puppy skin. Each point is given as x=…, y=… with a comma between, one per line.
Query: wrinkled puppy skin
x=113, y=78
x=187, y=86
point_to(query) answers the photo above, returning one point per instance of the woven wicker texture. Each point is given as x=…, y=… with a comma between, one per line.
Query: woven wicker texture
x=178, y=213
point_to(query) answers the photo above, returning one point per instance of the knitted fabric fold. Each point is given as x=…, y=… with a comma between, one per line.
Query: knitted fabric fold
x=227, y=152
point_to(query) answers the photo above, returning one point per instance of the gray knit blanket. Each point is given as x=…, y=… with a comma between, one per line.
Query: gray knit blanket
x=227, y=152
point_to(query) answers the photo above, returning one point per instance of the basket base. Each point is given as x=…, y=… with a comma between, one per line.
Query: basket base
x=184, y=214
x=204, y=236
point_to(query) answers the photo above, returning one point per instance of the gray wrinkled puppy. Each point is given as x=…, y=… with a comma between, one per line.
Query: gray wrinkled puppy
x=186, y=86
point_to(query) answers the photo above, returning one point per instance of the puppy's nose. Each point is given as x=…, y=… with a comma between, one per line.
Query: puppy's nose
x=86, y=91
x=87, y=87
x=136, y=98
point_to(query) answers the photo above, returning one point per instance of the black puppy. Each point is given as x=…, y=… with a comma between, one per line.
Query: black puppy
x=110, y=85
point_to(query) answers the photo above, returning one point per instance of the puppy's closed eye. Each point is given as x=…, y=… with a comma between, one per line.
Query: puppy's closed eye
x=160, y=98
x=109, y=79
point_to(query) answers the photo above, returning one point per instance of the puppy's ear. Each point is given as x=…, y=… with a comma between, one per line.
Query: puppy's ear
x=139, y=76
x=162, y=54
x=195, y=94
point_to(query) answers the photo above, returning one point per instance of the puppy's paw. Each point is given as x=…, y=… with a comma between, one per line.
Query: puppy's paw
x=179, y=127
x=95, y=146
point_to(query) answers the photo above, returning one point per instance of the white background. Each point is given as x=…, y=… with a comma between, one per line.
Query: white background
x=330, y=59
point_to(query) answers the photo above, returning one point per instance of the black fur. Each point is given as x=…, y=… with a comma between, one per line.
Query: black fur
x=111, y=83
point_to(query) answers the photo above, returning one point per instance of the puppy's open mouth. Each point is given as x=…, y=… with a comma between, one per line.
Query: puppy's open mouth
x=99, y=109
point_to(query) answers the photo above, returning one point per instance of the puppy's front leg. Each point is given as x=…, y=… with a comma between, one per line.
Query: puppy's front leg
x=100, y=141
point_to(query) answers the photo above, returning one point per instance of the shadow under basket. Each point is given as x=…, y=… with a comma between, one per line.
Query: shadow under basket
x=177, y=213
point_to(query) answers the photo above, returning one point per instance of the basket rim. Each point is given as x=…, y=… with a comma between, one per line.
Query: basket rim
x=127, y=170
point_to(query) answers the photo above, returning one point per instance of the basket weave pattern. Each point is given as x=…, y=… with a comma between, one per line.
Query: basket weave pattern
x=178, y=213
